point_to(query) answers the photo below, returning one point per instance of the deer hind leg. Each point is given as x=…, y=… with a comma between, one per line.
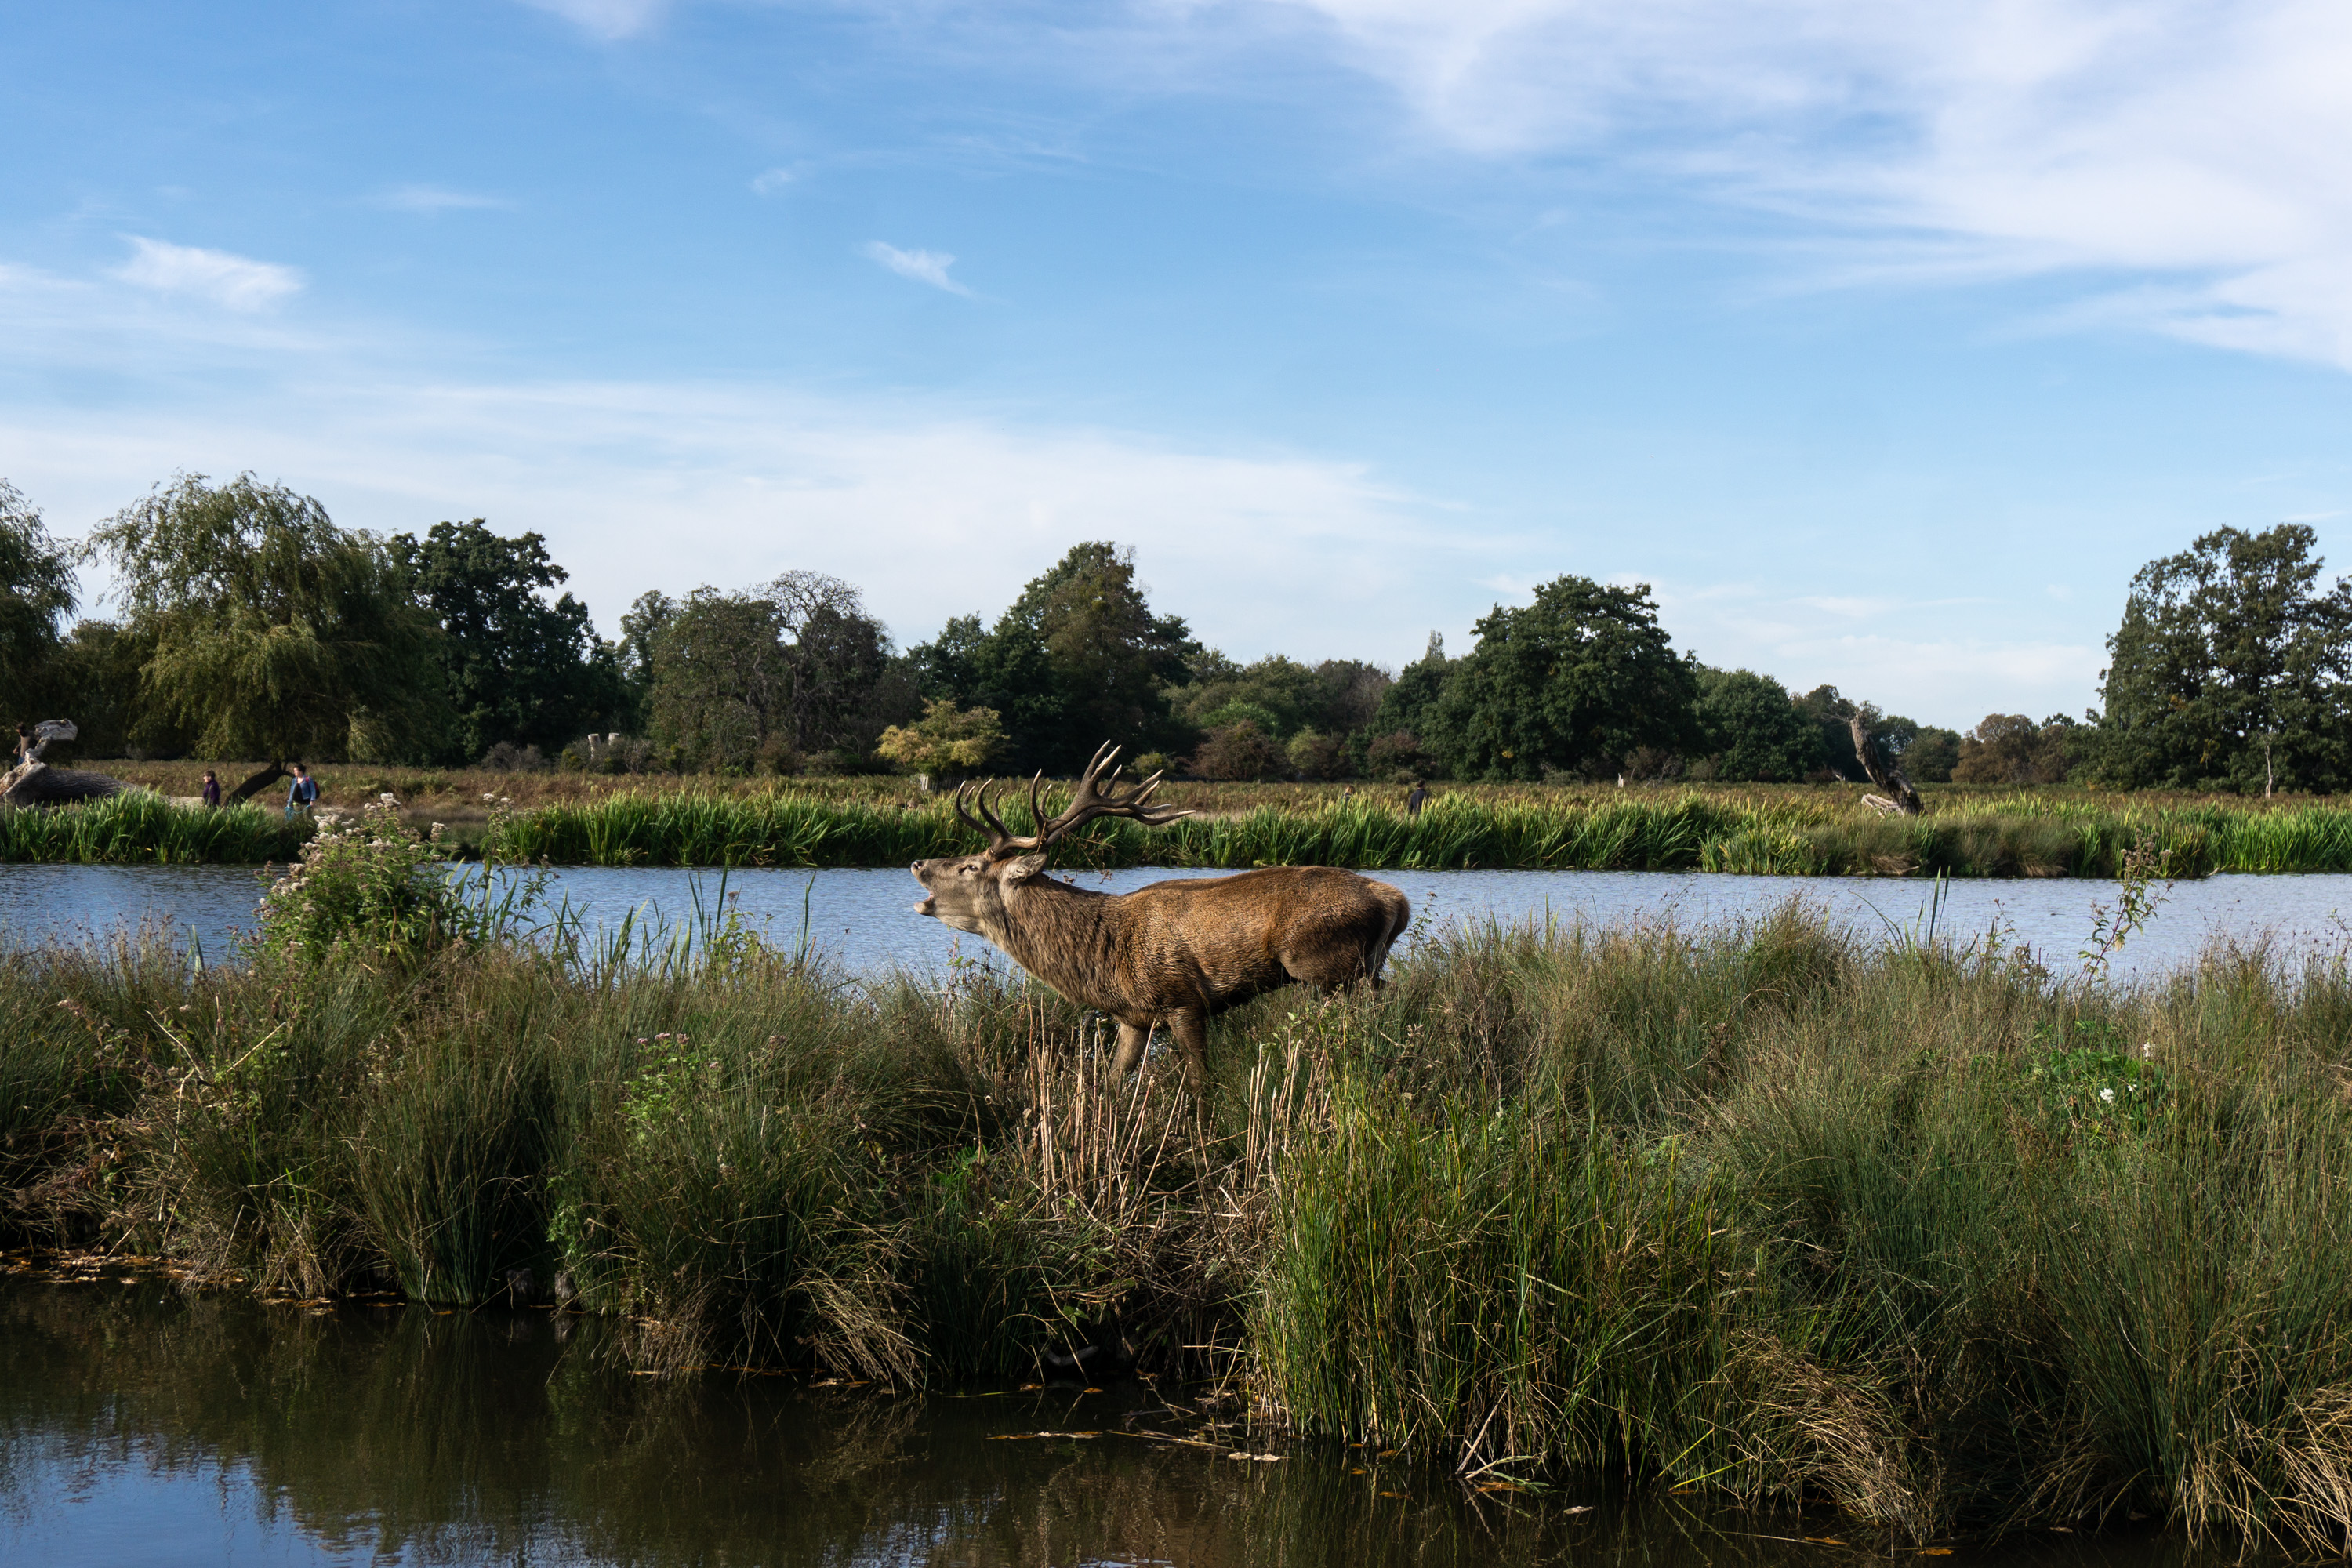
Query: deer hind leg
x=1133, y=1040
x=1377, y=955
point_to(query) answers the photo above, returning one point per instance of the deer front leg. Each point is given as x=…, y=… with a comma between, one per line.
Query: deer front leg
x=1133, y=1039
x=1190, y=1028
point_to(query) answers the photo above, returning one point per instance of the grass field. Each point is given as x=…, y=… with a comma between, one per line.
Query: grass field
x=1928, y=1233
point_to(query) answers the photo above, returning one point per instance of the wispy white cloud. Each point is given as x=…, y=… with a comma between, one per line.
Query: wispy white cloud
x=935, y=511
x=606, y=19
x=1847, y=607
x=437, y=199
x=236, y=282
x=2207, y=140
x=923, y=266
x=768, y=182
x=937, y=507
x=1872, y=649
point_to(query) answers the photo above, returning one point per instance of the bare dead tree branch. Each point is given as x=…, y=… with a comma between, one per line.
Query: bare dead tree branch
x=1900, y=799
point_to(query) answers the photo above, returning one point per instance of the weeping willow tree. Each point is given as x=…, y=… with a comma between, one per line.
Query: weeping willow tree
x=36, y=591
x=277, y=634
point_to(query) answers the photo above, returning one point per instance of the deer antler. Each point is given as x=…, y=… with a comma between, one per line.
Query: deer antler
x=995, y=831
x=1095, y=796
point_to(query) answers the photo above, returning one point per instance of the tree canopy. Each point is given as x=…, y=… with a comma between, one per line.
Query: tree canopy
x=253, y=624
x=1574, y=682
x=945, y=739
x=519, y=669
x=765, y=678
x=36, y=591
x=2229, y=669
x=2011, y=749
x=1077, y=659
x=274, y=633
x=1752, y=728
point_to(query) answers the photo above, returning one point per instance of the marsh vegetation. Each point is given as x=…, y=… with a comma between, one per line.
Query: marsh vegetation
x=1930, y=1231
x=1753, y=830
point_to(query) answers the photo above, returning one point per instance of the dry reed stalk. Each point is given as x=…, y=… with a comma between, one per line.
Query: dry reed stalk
x=1807, y=1426
x=2311, y=1446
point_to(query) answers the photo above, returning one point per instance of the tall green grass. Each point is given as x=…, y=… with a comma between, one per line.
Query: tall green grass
x=140, y=828
x=2024, y=834
x=1928, y=1232
x=2017, y=835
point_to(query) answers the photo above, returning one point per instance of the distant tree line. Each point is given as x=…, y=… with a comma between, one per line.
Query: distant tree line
x=246, y=624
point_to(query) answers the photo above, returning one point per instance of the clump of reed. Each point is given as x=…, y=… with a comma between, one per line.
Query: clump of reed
x=138, y=828
x=1925, y=1230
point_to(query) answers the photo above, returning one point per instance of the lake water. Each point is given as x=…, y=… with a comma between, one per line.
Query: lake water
x=867, y=917
x=142, y=1425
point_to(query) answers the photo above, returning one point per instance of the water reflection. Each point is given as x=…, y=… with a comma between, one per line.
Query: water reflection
x=865, y=918
x=137, y=1424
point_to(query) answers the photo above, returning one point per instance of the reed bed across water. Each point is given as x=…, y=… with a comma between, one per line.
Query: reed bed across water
x=1808, y=833
x=1924, y=1230
x=139, y=828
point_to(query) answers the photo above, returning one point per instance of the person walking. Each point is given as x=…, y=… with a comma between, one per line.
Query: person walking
x=303, y=792
x=1416, y=800
x=211, y=791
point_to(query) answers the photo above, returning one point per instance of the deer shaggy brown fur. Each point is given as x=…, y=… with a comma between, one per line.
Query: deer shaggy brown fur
x=1172, y=953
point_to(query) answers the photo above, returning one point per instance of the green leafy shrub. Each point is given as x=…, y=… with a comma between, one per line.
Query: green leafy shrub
x=372, y=889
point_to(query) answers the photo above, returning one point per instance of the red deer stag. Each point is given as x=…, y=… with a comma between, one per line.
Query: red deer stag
x=1173, y=952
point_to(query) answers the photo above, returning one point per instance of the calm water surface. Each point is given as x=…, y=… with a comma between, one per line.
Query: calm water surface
x=867, y=917
x=141, y=1427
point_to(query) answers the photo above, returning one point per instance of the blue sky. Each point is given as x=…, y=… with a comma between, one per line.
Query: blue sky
x=1884, y=342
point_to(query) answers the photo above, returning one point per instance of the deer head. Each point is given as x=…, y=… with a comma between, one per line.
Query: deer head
x=967, y=891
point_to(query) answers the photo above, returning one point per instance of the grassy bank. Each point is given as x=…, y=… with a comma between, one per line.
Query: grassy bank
x=1789, y=831
x=140, y=828
x=1800, y=833
x=1925, y=1232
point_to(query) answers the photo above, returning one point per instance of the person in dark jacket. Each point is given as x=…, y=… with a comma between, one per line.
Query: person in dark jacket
x=1416, y=800
x=210, y=789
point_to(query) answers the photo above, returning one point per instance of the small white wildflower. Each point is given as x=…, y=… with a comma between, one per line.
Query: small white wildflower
x=2147, y=1051
x=2108, y=1095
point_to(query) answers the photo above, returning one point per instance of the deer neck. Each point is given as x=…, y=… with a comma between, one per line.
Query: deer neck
x=1067, y=937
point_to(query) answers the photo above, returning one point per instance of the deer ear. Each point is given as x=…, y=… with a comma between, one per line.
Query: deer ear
x=1024, y=869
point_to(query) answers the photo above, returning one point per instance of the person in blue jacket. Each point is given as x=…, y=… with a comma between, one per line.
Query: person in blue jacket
x=303, y=792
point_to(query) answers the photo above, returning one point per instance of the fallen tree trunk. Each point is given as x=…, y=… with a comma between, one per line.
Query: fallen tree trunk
x=1900, y=799
x=256, y=783
x=37, y=783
